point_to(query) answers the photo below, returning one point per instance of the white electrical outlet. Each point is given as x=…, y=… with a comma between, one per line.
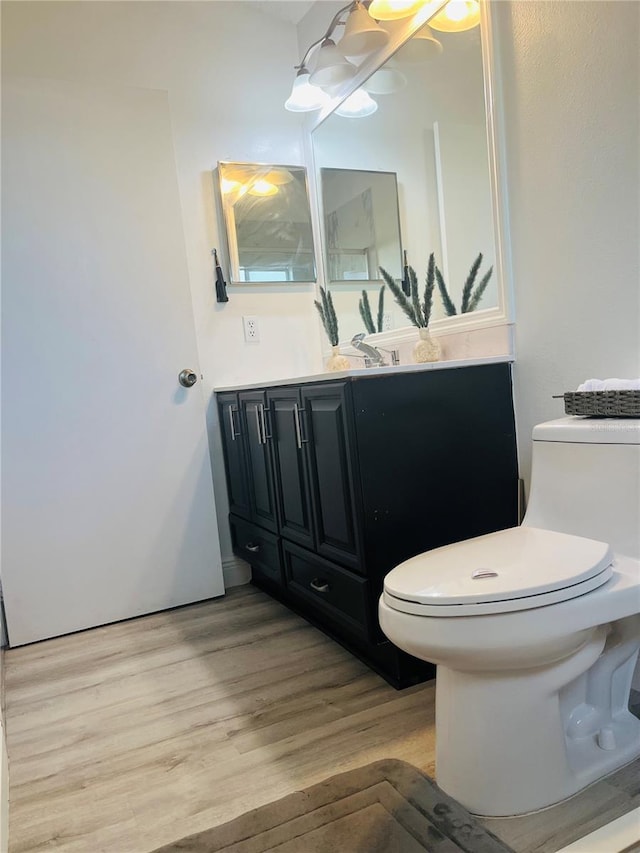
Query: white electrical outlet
x=251, y=330
x=387, y=323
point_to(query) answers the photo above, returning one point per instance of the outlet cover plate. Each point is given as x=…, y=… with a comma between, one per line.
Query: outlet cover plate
x=251, y=330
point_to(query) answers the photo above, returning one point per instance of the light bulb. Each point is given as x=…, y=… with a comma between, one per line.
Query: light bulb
x=263, y=188
x=392, y=10
x=229, y=186
x=457, y=16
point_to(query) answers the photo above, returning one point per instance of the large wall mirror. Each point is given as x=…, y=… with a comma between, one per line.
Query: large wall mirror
x=429, y=129
x=268, y=222
x=361, y=224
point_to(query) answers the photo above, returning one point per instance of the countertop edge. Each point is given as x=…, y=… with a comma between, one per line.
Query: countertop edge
x=365, y=373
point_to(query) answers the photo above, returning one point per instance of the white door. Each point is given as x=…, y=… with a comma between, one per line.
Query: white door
x=108, y=508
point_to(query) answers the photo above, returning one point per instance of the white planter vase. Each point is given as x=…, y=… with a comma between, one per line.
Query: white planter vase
x=337, y=361
x=426, y=348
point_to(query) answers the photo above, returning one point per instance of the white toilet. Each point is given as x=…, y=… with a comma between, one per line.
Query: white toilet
x=535, y=629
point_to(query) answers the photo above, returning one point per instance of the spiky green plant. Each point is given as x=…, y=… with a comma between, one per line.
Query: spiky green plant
x=366, y=315
x=380, y=317
x=428, y=290
x=328, y=316
x=479, y=291
x=449, y=307
x=470, y=297
x=419, y=312
x=401, y=298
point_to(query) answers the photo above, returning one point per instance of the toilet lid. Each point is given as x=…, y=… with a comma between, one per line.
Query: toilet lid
x=514, y=569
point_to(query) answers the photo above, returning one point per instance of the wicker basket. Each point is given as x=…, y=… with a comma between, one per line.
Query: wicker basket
x=603, y=404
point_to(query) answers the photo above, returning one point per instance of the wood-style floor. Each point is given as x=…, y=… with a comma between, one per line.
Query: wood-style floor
x=126, y=737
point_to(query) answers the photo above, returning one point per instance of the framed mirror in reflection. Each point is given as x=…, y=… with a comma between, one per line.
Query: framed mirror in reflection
x=268, y=222
x=361, y=224
x=430, y=129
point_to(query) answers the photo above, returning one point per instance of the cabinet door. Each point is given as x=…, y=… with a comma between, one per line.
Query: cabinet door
x=331, y=466
x=234, y=454
x=290, y=461
x=262, y=497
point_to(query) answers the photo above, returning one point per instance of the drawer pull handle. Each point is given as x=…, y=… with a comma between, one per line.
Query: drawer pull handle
x=319, y=585
x=253, y=548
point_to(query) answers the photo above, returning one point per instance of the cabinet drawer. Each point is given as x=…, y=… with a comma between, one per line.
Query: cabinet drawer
x=326, y=588
x=258, y=547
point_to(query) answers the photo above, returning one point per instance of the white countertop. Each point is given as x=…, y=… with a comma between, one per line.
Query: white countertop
x=367, y=373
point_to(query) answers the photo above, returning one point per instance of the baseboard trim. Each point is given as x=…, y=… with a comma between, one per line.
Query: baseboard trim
x=235, y=572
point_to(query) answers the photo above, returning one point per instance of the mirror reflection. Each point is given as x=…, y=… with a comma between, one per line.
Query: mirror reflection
x=429, y=128
x=268, y=222
x=361, y=224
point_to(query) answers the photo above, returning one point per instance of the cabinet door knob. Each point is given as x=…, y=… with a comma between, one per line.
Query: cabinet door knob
x=319, y=585
x=253, y=548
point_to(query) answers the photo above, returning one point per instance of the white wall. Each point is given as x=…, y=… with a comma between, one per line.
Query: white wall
x=571, y=84
x=227, y=67
x=571, y=80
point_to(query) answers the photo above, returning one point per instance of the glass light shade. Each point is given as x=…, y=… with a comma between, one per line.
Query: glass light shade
x=332, y=68
x=385, y=81
x=421, y=47
x=279, y=177
x=263, y=188
x=362, y=35
x=304, y=97
x=357, y=105
x=392, y=10
x=228, y=185
x=457, y=16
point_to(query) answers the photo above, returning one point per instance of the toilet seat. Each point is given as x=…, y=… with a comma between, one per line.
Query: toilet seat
x=516, y=569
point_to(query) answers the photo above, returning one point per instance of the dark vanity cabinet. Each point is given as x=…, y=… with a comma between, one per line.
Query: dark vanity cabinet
x=333, y=483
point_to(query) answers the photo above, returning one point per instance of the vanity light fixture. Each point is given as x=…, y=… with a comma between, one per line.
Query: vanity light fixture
x=362, y=36
x=358, y=105
x=332, y=68
x=457, y=16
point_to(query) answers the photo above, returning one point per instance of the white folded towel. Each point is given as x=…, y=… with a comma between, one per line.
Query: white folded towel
x=610, y=385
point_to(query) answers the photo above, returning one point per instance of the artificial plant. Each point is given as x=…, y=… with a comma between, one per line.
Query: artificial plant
x=470, y=297
x=418, y=312
x=365, y=312
x=328, y=316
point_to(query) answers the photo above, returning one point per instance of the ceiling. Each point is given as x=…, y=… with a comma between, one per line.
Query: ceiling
x=291, y=11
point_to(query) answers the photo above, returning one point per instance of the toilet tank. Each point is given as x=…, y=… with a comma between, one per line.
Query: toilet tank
x=585, y=480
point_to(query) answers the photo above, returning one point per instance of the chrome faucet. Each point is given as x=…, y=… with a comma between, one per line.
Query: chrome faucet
x=372, y=355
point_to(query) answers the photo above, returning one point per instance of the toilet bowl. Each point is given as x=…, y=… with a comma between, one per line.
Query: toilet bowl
x=535, y=630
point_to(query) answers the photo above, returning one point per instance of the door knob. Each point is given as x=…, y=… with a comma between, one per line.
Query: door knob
x=187, y=378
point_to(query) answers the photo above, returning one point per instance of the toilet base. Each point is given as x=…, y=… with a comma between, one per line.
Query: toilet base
x=509, y=742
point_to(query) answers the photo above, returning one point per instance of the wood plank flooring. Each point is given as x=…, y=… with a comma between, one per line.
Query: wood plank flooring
x=126, y=737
